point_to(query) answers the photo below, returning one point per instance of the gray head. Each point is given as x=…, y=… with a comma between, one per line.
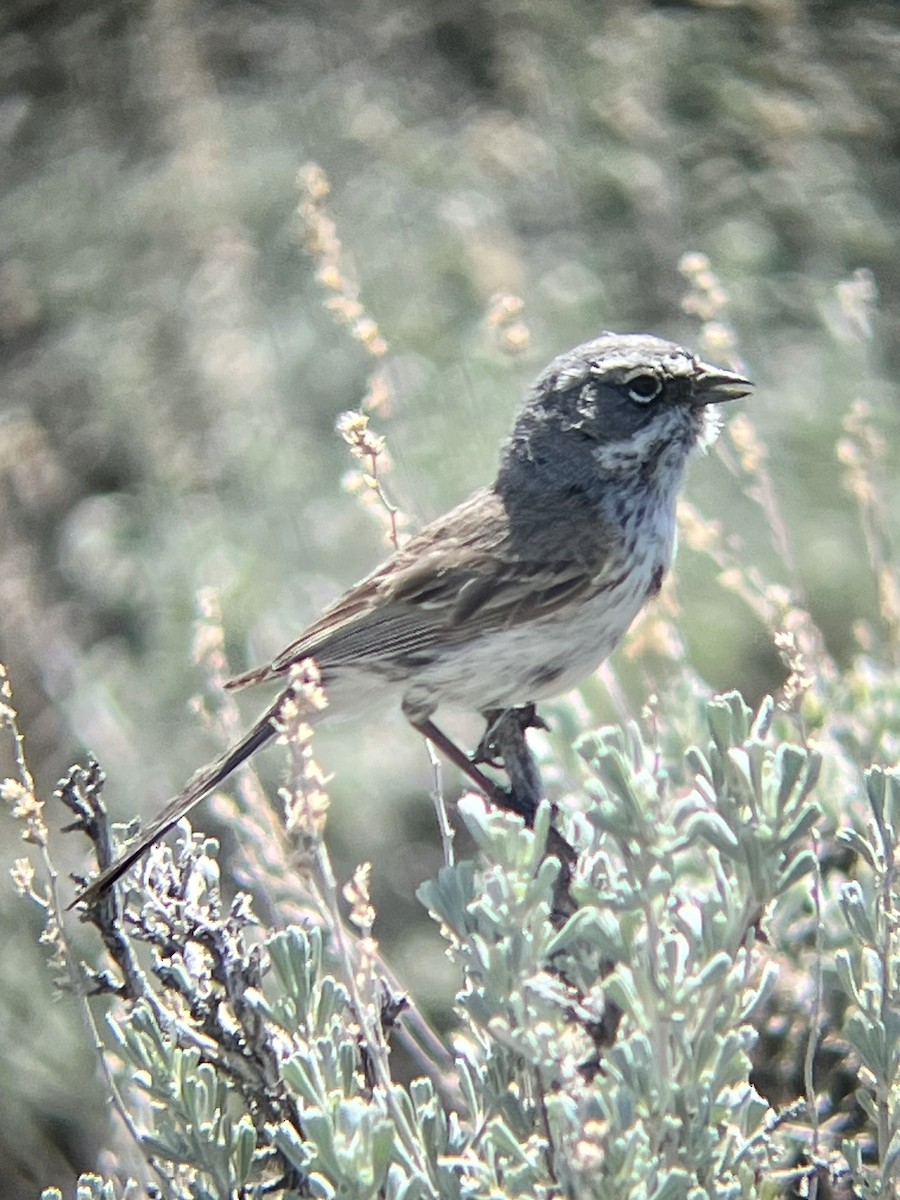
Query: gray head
x=619, y=405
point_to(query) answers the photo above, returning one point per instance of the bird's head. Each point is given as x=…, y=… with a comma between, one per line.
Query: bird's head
x=621, y=404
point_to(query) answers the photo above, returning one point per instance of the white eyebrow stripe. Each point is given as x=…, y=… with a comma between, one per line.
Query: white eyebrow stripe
x=669, y=364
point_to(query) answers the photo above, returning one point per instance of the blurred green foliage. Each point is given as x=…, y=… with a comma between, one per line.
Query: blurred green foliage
x=171, y=377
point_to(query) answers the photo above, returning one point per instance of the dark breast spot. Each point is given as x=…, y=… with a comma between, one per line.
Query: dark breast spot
x=656, y=582
x=545, y=675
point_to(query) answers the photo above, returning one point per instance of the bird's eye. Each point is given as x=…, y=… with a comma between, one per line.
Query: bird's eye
x=643, y=387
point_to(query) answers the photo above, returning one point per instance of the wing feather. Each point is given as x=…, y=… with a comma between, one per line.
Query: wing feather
x=468, y=573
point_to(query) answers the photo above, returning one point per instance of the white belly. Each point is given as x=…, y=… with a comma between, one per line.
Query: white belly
x=537, y=659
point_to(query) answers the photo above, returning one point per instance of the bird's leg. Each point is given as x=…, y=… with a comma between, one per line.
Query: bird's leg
x=496, y=794
x=503, y=743
x=504, y=738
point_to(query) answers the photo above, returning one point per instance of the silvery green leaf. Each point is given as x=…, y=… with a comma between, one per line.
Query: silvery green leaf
x=545, y=878
x=800, y=826
x=742, y=782
x=449, y=896
x=757, y=754
x=844, y=968
x=175, y=1149
x=347, y=1063
x=614, y=770
x=621, y=990
x=428, y=1116
x=470, y=1075
x=657, y=882
x=181, y=976
x=859, y=845
x=762, y=722
x=318, y=1126
x=804, y=863
x=868, y=1037
x=243, y=1148
x=502, y=836
x=813, y=770
x=611, y=739
x=890, y=1167
x=332, y=999
x=296, y=956
x=712, y=974
x=698, y=763
x=598, y=926
x=541, y=826
x=866, y=1102
x=608, y=816
x=415, y=1187
x=719, y=720
x=852, y=1151
x=875, y=791
x=382, y=1136
x=753, y=1110
x=675, y=1185
x=135, y=1047
x=893, y=799
x=702, y=797
x=757, y=858
x=320, y=1187
x=728, y=718
x=892, y=1039
x=143, y=1021
x=713, y=829
x=301, y=1075
x=502, y=1137
x=856, y=913
x=731, y=1061
x=790, y=762
x=765, y=988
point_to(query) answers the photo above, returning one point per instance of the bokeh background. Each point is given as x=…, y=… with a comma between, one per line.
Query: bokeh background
x=171, y=373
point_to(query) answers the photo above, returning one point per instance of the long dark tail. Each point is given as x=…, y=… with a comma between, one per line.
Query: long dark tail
x=205, y=780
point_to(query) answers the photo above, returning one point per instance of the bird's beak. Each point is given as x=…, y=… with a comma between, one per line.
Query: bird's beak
x=715, y=386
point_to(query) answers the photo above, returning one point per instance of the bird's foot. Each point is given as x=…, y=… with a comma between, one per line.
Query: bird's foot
x=504, y=744
x=525, y=716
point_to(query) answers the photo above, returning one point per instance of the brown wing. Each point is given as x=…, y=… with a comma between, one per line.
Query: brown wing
x=470, y=571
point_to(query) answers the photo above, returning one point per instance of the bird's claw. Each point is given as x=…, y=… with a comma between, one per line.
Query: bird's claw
x=525, y=716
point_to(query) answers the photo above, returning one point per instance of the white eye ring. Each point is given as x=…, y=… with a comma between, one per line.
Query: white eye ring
x=643, y=386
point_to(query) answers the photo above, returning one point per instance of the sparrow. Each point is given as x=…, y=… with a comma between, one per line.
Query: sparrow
x=523, y=589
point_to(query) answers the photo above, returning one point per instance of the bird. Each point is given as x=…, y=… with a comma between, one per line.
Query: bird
x=526, y=587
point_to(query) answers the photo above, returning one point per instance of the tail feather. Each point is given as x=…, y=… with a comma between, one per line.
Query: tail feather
x=205, y=780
